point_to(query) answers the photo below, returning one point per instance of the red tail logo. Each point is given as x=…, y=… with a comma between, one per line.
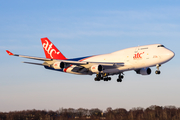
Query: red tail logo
x=138, y=56
x=50, y=50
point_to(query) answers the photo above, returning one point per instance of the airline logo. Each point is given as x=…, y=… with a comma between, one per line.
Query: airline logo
x=48, y=48
x=138, y=56
x=55, y=64
x=51, y=51
x=93, y=67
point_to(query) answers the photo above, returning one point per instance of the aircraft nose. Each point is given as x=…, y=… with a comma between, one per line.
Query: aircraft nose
x=167, y=55
x=170, y=54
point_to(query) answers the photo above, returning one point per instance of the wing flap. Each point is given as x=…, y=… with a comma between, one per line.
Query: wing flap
x=74, y=62
x=109, y=64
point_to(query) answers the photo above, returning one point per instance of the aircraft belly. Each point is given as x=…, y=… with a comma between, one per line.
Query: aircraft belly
x=110, y=71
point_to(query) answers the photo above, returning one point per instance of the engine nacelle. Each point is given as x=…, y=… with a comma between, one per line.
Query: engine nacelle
x=96, y=68
x=59, y=65
x=144, y=71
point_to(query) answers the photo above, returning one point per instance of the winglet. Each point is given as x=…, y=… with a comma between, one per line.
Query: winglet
x=9, y=53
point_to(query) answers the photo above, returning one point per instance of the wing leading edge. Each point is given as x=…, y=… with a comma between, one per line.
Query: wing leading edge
x=70, y=62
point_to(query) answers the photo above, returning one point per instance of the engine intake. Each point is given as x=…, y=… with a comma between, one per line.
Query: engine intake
x=96, y=68
x=144, y=71
x=59, y=65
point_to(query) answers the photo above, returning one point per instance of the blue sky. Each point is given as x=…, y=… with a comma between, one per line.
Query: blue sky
x=82, y=28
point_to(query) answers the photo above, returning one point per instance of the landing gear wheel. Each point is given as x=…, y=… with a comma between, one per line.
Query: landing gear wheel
x=119, y=80
x=98, y=77
x=120, y=77
x=107, y=78
x=158, y=72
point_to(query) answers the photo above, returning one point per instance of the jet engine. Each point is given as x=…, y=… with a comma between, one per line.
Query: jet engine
x=144, y=71
x=96, y=68
x=59, y=65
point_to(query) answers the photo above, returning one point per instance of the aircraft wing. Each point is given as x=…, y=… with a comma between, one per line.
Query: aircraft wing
x=70, y=62
x=30, y=57
x=47, y=59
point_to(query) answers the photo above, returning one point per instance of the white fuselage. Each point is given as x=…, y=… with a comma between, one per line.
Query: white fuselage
x=133, y=58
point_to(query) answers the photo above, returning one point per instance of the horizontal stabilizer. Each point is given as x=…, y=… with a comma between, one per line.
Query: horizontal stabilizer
x=34, y=63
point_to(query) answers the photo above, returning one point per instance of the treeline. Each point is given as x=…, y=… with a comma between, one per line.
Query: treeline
x=150, y=113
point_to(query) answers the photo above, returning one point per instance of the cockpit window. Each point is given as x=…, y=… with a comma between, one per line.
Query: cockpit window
x=161, y=46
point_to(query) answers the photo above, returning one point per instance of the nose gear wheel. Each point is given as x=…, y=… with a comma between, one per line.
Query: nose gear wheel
x=158, y=71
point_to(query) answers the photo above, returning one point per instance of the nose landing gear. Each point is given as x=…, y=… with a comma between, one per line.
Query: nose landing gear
x=158, y=71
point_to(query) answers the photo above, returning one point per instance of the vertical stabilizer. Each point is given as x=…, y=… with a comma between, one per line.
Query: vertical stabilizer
x=50, y=50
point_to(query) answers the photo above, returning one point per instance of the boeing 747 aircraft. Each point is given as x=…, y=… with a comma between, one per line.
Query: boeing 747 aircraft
x=139, y=59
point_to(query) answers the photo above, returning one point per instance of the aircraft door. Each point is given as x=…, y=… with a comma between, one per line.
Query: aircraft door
x=136, y=49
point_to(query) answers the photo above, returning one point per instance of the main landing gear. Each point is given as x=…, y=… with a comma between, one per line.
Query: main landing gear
x=104, y=76
x=120, y=77
x=158, y=71
x=100, y=76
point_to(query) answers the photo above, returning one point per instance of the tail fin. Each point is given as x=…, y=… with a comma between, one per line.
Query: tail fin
x=50, y=50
